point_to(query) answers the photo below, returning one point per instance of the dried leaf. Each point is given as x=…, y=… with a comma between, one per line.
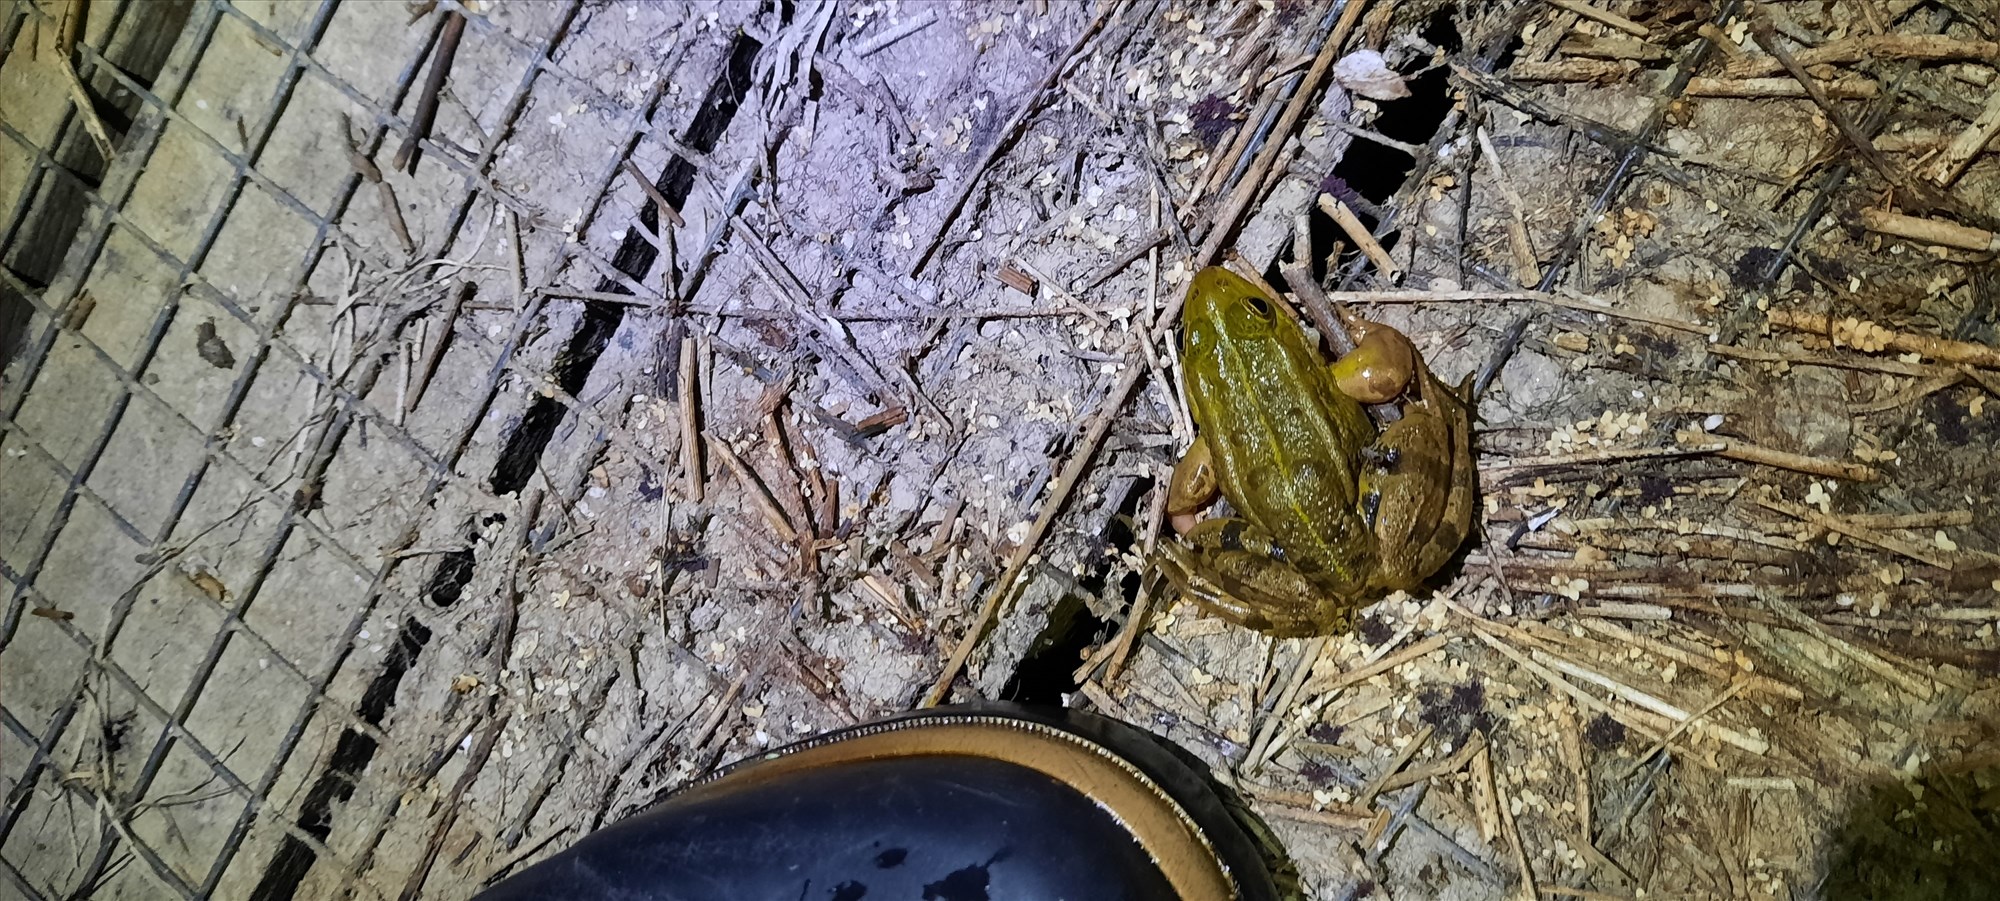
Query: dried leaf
x=1365, y=72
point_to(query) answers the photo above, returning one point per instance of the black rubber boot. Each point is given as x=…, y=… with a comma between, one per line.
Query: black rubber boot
x=979, y=803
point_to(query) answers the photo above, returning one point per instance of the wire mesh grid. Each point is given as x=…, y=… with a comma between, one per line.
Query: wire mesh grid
x=56, y=768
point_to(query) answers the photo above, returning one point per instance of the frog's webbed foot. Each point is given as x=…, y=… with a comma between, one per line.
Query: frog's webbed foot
x=1234, y=570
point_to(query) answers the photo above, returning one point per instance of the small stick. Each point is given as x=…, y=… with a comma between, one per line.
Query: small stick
x=1378, y=138
x=1584, y=893
x=1608, y=18
x=1566, y=298
x=1135, y=623
x=475, y=762
x=1327, y=316
x=1330, y=818
x=768, y=505
x=883, y=39
x=1634, y=720
x=1263, y=749
x=1572, y=71
x=1865, y=364
x=1578, y=44
x=1379, y=784
x=1738, y=449
x=1871, y=47
x=823, y=516
x=1691, y=659
x=1360, y=235
x=403, y=377
x=1144, y=246
x=722, y=708
x=1758, y=88
x=1721, y=699
x=1514, y=843
x=1907, y=399
x=1501, y=472
x=1648, y=701
x=385, y=193
x=1862, y=534
x=1070, y=301
x=1226, y=161
x=1930, y=520
x=427, y=368
x=1473, y=745
x=690, y=420
x=1356, y=676
x=1527, y=269
x=1568, y=737
x=890, y=602
x=427, y=102
x=80, y=97
x=1720, y=40
x=1485, y=796
x=1930, y=231
x=1791, y=616
x=792, y=499
x=517, y=262
x=1969, y=144
x=652, y=191
x=1980, y=355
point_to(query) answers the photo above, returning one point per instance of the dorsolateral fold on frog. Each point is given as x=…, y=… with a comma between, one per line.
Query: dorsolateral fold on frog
x=1331, y=511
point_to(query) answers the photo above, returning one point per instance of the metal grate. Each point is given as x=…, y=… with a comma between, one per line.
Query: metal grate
x=342, y=693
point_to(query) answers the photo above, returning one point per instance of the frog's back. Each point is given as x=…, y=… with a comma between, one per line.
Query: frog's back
x=1286, y=440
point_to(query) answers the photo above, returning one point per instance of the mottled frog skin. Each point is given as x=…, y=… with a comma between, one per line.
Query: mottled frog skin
x=1330, y=514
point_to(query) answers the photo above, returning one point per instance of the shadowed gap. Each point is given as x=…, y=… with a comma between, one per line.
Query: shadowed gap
x=351, y=754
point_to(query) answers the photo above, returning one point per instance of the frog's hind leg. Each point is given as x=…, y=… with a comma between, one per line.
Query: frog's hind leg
x=1235, y=571
x=1461, y=504
x=1406, y=496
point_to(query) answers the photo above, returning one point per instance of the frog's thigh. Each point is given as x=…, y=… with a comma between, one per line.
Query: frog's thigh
x=1193, y=485
x=1189, y=573
x=1410, y=496
x=1235, y=571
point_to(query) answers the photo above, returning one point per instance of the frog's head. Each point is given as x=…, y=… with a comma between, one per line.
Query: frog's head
x=1225, y=310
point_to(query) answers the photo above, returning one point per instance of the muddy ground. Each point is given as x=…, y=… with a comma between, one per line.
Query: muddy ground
x=515, y=504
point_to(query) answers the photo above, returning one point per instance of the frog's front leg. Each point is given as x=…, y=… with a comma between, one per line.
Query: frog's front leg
x=1193, y=485
x=1235, y=570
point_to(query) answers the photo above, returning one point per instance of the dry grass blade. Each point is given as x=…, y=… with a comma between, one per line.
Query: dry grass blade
x=1859, y=533
x=1738, y=449
x=1917, y=686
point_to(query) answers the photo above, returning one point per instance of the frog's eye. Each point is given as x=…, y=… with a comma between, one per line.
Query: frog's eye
x=1258, y=305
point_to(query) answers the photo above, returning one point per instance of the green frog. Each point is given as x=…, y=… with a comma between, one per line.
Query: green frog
x=1330, y=512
